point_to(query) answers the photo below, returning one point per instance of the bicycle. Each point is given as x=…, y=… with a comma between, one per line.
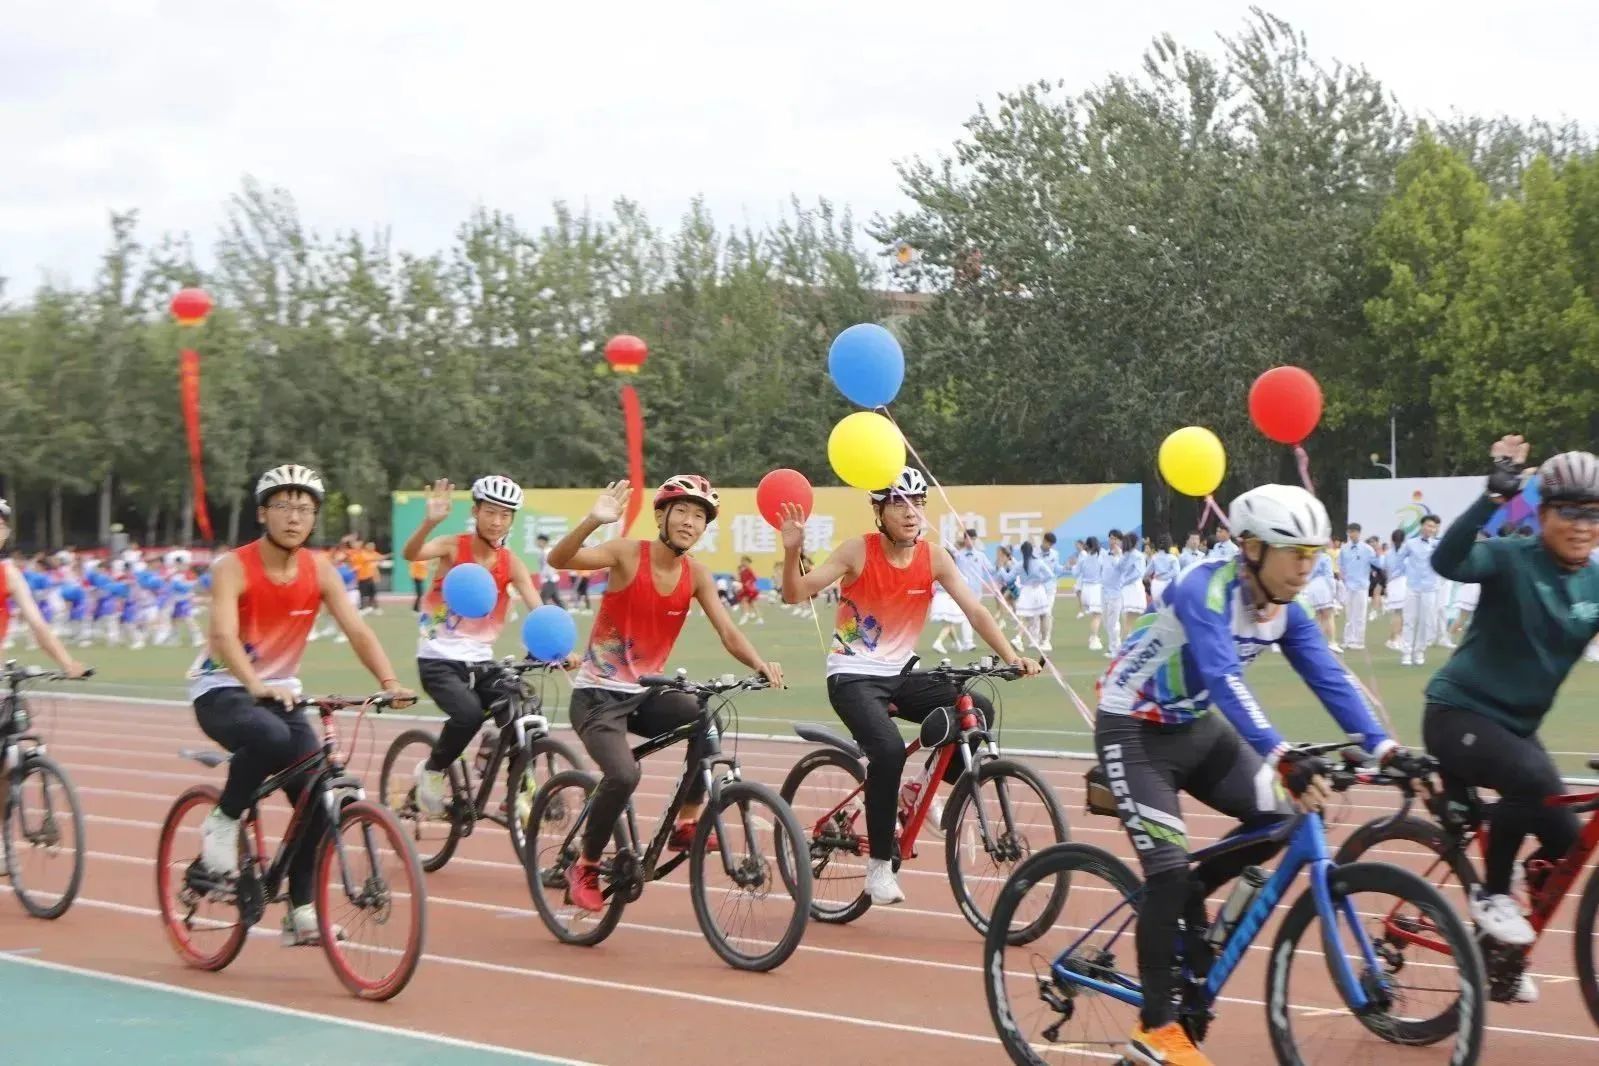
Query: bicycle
x=625, y=869
x=1076, y=985
x=1461, y=818
x=836, y=827
x=24, y=759
x=375, y=893
x=522, y=731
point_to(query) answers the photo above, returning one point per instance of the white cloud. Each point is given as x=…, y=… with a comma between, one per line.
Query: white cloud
x=410, y=115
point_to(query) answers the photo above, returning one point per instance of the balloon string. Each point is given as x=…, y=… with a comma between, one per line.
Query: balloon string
x=821, y=641
x=991, y=583
x=1211, y=508
x=1303, y=458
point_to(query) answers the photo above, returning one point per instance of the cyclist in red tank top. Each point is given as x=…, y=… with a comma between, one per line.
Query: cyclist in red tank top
x=647, y=596
x=886, y=591
x=264, y=601
x=452, y=651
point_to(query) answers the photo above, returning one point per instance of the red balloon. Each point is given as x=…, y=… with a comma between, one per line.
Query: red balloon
x=190, y=306
x=779, y=487
x=626, y=353
x=1285, y=403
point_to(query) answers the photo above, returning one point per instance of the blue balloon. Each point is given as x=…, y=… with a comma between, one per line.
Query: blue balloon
x=867, y=364
x=469, y=591
x=549, y=634
x=71, y=593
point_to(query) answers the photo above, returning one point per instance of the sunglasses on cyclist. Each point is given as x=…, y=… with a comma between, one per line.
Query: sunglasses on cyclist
x=1300, y=550
x=1578, y=512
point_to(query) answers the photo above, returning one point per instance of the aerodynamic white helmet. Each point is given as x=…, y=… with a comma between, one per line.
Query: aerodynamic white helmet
x=1282, y=516
x=289, y=476
x=909, y=483
x=495, y=488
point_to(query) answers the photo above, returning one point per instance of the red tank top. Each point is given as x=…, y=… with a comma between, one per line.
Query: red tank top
x=274, y=619
x=5, y=604
x=443, y=626
x=636, y=628
x=882, y=612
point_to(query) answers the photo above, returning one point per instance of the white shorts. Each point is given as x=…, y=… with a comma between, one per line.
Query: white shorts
x=945, y=609
x=1033, y=601
x=1321, y=594
x=1093, y=599
x=1133, y=598
x=1394, y=598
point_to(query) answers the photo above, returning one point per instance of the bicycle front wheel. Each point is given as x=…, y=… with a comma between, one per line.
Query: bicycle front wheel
x=753, y=921
x=1587, y=931
x=371, y=903
x=549, y=858
x=1020, y=815
x=544, y=758
x=44, y=837
x=1041, y=1014
x=1415, y=997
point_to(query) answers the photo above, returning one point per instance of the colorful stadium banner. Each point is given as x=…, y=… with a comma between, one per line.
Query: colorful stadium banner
x=1382, y=505
x=1001, y=514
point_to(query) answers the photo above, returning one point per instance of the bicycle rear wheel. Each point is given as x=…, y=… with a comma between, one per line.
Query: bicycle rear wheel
x=1022, y=816
x=435, y=839
x=1416, y=998
x=201, y=917
x=384, y=896
x=837, y=846
x=43, y=834
x=548, y=860
x=757, y=920
x=1039, y=1012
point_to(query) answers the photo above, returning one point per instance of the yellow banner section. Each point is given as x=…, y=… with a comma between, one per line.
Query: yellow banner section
x=1001, y=514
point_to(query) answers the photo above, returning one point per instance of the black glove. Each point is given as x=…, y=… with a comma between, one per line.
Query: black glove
x=1505, y=477
x=1409, y=763
x=1298, y=771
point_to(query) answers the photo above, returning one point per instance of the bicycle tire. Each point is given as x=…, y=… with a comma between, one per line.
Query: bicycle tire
x=1466, y=1025
x=554, y=753
x=794, y=868
x=954, y=811
x=433, y=861
x=1428, y=834
x=1587, y=910
x=530, y=866
x=394, y=982
x=34, y=763
x=851, y=909
x=171, y=923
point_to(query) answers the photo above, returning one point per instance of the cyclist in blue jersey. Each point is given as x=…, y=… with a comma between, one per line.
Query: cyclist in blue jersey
x=1156, y=735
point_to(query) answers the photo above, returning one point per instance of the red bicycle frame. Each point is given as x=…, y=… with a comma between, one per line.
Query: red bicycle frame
x=966, y=719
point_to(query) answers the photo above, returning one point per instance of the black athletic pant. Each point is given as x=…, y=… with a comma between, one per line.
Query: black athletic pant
x=602, y=720
x=1475, y=750
x=1147, y=764
x=463, y=692
x=862, y=702
x=265, y=739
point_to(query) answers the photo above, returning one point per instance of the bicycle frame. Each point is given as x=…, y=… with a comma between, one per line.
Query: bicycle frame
x=1307, y=851
x=514, y=737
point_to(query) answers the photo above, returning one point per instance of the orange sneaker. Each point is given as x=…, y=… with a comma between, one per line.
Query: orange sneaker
x=1167, y=1046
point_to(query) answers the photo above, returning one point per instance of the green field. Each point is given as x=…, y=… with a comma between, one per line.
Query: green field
x=1034, y=713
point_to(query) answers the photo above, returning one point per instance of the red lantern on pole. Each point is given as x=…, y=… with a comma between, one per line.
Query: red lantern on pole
x=626, y=354
x=190, y=307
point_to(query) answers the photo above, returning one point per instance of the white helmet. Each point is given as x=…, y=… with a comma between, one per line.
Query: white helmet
x=289, y=476
x=909, y=483
x=1570, y=476
x=495, y=488
x=1280, y=515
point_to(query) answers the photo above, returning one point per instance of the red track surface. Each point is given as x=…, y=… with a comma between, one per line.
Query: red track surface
x=901, y=984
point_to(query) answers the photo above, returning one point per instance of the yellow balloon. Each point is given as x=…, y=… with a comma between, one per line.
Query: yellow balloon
x=1193, y=461
x=866, y=450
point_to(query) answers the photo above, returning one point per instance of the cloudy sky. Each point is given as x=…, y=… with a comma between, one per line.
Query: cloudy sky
x=410, y=115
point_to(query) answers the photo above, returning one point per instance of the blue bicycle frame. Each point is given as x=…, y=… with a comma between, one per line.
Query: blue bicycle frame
x=1307, y=850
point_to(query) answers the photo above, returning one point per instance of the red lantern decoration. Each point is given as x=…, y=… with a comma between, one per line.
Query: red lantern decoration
x=626, y=353
x=190, y=306
x=779, y=487
x=1285, y=404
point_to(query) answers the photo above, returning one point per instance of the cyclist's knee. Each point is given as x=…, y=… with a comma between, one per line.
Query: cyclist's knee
x=623, y=777
x=884, y=753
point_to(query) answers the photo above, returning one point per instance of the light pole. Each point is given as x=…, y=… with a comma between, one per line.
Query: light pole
x=1392, y=465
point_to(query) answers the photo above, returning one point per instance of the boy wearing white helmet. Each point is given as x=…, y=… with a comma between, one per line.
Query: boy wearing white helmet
x=264, y=601
x=1156, y=737
x=885, y=595
x=452, y=652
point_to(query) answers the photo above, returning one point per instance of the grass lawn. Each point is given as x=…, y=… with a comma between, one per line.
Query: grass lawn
x=1034, y=713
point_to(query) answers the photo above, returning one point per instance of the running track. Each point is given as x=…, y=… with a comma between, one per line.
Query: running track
x=902, y=984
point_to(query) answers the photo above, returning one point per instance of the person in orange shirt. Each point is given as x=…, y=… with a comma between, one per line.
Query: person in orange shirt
x=366, y=559
x=419, y=578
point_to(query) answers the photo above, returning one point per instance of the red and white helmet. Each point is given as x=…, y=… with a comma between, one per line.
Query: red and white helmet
x=691, y=487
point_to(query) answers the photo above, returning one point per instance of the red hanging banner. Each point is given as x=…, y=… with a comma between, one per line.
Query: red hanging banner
x=189, y=399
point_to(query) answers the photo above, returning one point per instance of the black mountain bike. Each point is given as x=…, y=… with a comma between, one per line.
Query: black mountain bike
x=760, y=848
x=367, y=875
x=523, y=739
x=41, y=822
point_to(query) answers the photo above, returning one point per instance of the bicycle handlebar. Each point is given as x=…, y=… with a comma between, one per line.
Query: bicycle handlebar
x=14, y=675
x=328, y=704
x=987, y=666
x=725, y=683
x=527, y=665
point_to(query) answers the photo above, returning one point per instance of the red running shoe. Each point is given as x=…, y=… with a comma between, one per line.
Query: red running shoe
x=583, y=887
x=683, y=836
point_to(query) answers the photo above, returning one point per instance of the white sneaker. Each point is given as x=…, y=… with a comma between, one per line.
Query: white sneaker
x=1526, y=990
x=1500, y=918
x=938, y=646
x=881, y=884
x=1335, y=649
x=1094, y=644
x=299, y=928
x=219, y=843
x=430, y=788
x=1406, y=661
x=1045, y=646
